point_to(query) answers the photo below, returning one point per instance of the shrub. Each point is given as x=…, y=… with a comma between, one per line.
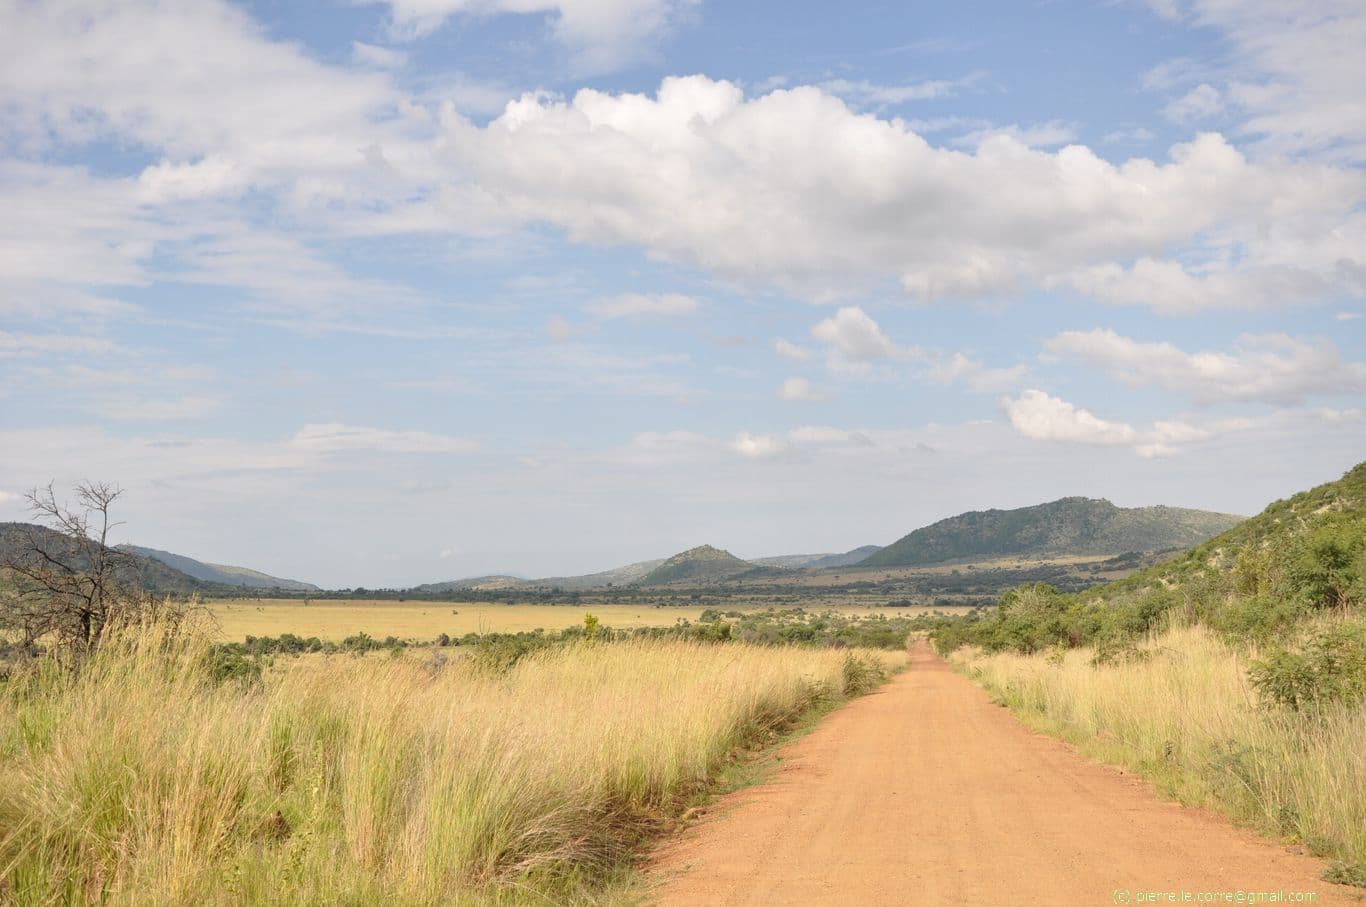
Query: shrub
x=861, y=675
x=1329, y=668
x=1258, y=618
x=1346, y=874
x=359, y=643
x=1327, y=566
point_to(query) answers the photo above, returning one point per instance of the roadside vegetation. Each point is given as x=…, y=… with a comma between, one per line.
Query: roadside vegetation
x=1234, y=676
x=150, y=775
x=1181, y=710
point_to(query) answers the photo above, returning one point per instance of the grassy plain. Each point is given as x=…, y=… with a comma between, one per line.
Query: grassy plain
x=412, y=779
x=1182, y=712
x=335, y=620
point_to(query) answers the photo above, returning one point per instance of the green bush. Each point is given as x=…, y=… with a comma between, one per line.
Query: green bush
x=860, y=676
x=1329, y=668
x=359, y=643
x=1258, y=618
x=1327, y=566
x=225, y=664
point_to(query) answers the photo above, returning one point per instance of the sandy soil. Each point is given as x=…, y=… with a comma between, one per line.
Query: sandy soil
x=926, y=793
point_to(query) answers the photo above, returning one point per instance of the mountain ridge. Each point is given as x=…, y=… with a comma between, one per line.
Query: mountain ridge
x=1070, y=525
x=225, y=574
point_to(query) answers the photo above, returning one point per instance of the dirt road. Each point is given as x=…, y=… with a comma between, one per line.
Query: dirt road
x=925, y=793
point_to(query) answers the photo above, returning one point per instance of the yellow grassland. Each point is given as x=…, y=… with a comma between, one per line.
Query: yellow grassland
x=332, y=621
x=399, y=779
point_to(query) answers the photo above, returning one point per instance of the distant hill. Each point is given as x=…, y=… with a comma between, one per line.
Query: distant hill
x=617, y=576
x=1067, y=526
x=702, y=564
x=817, y=561
x=221, y=573
x=856, y=556
x=478, y=583
x=138, y=571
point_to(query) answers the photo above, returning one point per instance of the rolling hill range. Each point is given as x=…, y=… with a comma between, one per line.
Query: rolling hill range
x=147, y=568
x=1069, y=526
x=1077, y=527
x=817, y=561
x=618, y=576
x=220, y=573
x=481, y=583
x=141, y=572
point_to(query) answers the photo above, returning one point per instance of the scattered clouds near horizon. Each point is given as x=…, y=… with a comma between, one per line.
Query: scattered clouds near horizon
x=629, y=305
x=757, y=447
x=1270, y=368
x=334, y=437
x=798, y=389
x=1040, y=416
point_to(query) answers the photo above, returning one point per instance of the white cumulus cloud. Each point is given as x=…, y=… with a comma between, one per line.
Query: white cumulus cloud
x=854, y=340
x=1042, y=417
x=701, y=174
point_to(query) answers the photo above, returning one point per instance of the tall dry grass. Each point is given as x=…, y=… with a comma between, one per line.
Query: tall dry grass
x=348, y=780
x=1184, y=714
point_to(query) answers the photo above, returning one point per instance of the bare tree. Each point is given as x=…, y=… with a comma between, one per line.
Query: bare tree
x=71, y=583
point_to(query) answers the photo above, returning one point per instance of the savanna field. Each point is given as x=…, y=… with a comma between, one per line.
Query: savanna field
x=155, y=775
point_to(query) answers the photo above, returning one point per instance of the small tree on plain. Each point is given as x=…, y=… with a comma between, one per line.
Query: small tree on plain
x=71, y=584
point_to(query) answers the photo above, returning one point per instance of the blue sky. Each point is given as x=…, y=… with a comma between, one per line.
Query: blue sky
x=392, y=292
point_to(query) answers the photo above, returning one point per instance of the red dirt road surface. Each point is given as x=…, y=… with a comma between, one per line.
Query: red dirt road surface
x=926, y=793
